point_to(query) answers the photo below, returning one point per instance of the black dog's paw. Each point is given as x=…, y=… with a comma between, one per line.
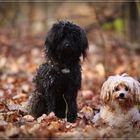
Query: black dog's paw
x=72, y=118
x=60, y=114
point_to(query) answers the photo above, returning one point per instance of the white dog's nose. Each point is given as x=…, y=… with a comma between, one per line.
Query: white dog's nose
x=121, y=95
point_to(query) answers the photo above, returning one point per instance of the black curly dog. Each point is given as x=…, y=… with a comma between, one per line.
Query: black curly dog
x=59, y=78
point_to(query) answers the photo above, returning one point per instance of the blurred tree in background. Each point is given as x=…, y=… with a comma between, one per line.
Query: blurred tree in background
x=118, y=20
x=35, y=17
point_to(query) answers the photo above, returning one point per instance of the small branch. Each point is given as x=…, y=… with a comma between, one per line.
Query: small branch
x=66, y=111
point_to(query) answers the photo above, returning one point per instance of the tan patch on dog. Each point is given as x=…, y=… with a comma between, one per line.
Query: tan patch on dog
x=126, y=104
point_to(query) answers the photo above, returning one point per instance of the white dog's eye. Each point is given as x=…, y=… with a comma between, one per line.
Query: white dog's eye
x=126, y=88
x=116, y=89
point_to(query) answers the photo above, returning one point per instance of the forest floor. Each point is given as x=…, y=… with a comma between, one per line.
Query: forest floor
x=19, y=59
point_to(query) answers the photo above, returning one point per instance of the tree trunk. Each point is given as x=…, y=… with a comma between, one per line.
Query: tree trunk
x=133, y=21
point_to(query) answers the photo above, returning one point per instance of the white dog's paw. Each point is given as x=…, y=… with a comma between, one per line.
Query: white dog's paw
x=137, y=124
x=96, y=118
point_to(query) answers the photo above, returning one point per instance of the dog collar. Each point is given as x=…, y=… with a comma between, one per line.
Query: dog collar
x=65, y=71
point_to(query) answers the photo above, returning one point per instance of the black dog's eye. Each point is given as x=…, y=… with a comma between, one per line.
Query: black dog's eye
x=126, y=88
x=116, y=89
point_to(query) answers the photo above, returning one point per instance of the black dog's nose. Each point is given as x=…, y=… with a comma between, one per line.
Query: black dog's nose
x=121, y=95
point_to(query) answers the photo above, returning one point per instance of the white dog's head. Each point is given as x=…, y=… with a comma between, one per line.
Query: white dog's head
x=121, y=90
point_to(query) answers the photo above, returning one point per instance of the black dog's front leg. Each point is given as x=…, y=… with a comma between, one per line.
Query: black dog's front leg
x=60, y=106
x=72, y=107
x=50, y=103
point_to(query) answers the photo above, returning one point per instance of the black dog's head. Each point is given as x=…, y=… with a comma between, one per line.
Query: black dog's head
x=66, y=42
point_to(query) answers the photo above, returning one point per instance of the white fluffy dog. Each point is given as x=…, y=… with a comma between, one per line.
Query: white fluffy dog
x=119, y=96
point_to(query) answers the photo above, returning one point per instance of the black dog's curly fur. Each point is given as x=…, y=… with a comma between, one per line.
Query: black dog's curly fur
x=59, y=78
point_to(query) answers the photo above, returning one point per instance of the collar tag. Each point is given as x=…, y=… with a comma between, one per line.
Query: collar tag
x=65, y=71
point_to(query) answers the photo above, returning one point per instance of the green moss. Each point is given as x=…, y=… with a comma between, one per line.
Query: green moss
x=138, y=106
x=118, y=25
x=107, y=26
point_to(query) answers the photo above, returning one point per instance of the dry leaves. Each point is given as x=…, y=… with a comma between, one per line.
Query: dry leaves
x=19, y=60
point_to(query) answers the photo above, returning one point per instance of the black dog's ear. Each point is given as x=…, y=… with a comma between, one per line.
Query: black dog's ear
x=84, y=41
x=53, y=37
x=48, y=46
x=49, y=39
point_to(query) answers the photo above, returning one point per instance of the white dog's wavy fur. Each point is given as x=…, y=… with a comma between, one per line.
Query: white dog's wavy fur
x=114, y=111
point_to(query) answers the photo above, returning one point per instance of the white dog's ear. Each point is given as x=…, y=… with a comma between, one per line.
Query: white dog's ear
x=136, y=88
x=105, y=92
